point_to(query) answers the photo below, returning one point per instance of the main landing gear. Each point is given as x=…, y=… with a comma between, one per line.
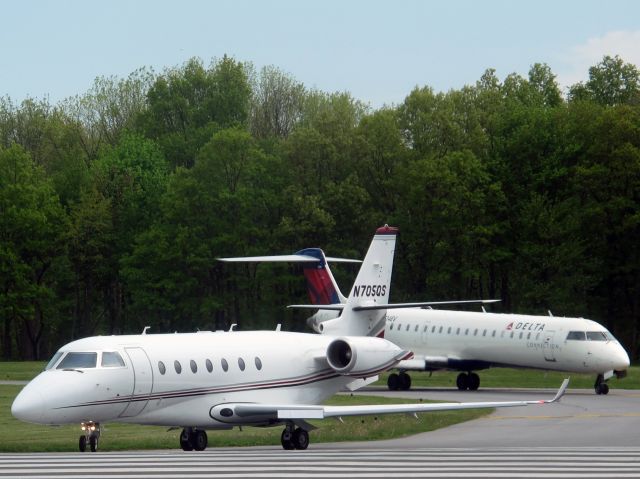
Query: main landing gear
x=296, y=438
x=90, y=437
x=400, y=381
x=470, y=381
x=601, y=386
x=193, y=439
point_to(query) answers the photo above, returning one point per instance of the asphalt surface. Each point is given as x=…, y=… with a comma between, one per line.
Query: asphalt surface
x=334, y=462
x=581, y=419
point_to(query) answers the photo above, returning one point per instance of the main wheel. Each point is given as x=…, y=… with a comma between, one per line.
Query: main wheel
x=199, y=440
x=300, y=438
x=93, y=443
x=473, y=382
x=82, y=443
x=462, y=381
x=404, y=381
x=393, y=382
x=185, y=440
x=286, y=439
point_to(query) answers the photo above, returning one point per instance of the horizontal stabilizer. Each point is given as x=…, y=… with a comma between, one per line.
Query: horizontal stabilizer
x=422, y=304
x=330, y=307
x=339, y=307
x=286, y=258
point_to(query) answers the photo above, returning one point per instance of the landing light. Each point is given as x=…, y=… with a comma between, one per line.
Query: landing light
x=90, y=427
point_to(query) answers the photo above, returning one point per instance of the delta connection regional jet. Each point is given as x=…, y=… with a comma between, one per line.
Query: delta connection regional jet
x=458, y=340
x=218, y=380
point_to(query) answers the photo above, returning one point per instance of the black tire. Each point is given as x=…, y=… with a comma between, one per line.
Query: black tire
x=462, y=381
x=185, y=441
x=404, y=382
x=300, y=439
x=93, y=443
x=286, y=439
x=393, y=382
x=605, y=388
x=82, y=443
x=199, y=440
x=473, y=382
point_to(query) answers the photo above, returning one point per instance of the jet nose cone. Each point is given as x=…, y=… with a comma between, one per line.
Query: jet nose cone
x=622, y=361
x=28, y=406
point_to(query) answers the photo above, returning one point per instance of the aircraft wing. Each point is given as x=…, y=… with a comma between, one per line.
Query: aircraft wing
x=304, y=412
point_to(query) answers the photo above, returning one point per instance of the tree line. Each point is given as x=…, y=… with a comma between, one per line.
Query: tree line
x=115, y=204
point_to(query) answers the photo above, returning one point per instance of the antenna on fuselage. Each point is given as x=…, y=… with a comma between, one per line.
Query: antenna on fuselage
x=550, y=315
x=232, y=326
x=146, y=328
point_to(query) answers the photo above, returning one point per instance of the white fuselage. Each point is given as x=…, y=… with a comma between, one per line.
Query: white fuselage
x=460, y=340
x=176, y=379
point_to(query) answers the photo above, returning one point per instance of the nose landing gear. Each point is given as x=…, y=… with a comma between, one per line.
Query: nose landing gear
x=91, y=435
x=601, y=387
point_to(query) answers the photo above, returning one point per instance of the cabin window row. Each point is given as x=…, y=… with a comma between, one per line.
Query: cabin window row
x=208, y=365
x=465, y=332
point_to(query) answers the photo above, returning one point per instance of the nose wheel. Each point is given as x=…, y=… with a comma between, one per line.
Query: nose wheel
x=90, y=437
x=601, y=387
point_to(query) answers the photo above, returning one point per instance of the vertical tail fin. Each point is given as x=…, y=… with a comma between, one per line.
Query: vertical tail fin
x=372, y=287
x=321, y=285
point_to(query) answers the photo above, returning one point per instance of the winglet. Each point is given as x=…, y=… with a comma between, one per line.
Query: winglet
x=561, y=391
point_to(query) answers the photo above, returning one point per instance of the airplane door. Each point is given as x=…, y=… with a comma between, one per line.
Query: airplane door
x=142, y=382
x=547, y=346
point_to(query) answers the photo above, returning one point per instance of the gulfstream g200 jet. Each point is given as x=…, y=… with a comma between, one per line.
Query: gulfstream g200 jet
x=218, y=380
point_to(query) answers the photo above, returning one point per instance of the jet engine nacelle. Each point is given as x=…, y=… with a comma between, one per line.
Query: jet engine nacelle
x=315, y=321
x=363, y=356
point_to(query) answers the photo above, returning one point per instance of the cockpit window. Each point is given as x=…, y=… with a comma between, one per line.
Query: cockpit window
x=112, y=359
x=576, y=336
x=596, y=336
x=53, y=361
x=78, y=360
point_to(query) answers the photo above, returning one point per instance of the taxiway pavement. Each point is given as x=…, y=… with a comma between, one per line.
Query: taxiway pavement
x=581, y=418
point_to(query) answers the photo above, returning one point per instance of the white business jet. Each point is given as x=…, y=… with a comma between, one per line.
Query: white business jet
x=218, y=380
x=461, y=340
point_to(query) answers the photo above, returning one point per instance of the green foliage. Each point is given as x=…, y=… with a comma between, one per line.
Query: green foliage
x=186, y=105
x=116, y=203
x=611, y=82
x=32, y=237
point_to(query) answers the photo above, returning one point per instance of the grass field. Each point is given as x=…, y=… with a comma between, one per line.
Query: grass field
x=16, y=436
